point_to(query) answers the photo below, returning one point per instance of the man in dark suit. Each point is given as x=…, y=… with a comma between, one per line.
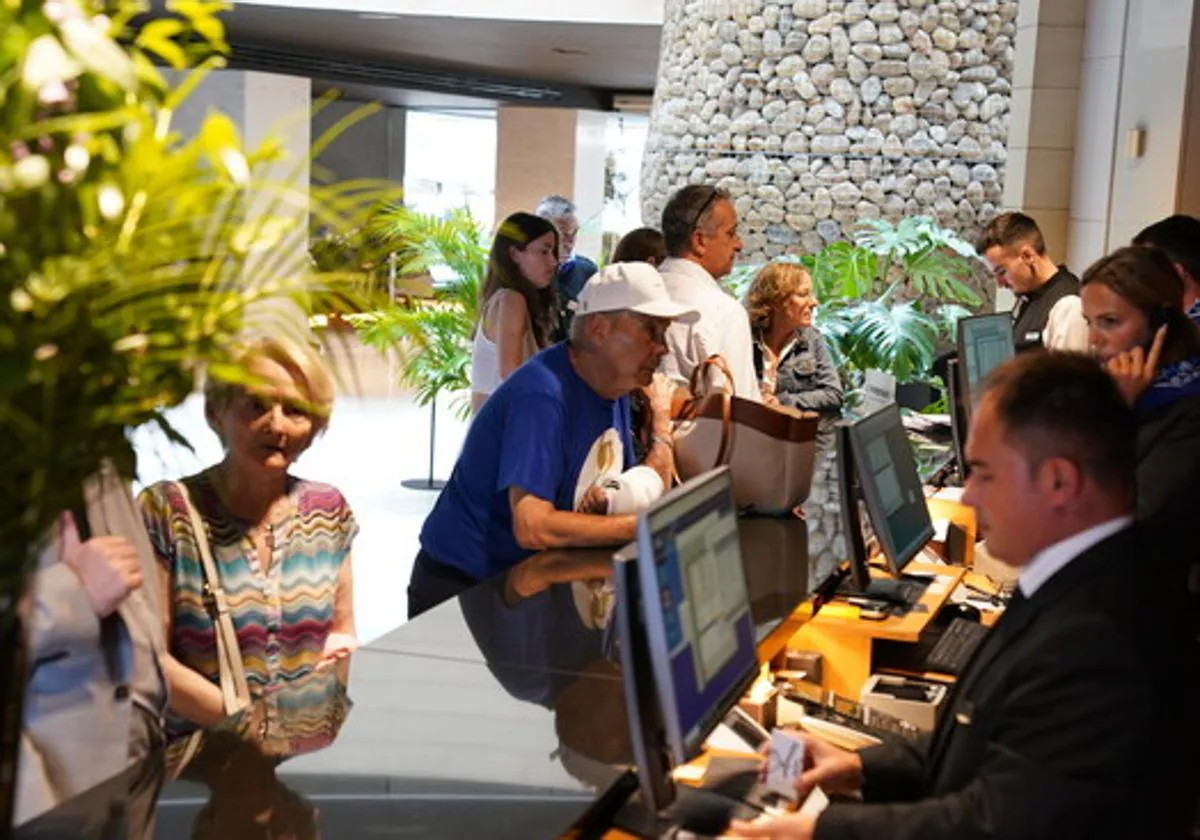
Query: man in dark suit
x=1062, y=725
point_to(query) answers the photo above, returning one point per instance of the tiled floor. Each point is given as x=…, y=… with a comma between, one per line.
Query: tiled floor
x=375, y=440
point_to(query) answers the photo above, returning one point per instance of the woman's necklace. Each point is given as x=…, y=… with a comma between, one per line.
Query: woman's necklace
x=265, y=529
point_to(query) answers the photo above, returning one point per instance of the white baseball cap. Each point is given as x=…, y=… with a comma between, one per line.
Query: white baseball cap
x=636, y=286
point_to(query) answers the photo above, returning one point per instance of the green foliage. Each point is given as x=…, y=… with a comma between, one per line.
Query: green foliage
x=919, y=257
x=890, y=298
x=843, y=271
x=899, y=338
x=433, y=337
x=130, y=257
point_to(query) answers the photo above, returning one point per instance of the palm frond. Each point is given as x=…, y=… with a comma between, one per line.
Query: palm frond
x=139, y=257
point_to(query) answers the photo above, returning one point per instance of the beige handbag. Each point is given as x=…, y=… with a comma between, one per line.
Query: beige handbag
x=769, y=451
x=235, y=694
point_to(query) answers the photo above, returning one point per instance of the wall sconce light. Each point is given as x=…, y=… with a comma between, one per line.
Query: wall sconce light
x=1135, y=143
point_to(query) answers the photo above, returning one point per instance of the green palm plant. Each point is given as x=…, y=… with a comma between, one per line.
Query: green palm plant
x=433, y=336
x=130, y=258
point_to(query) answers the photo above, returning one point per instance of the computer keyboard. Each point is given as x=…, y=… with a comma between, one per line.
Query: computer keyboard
x=956, y=647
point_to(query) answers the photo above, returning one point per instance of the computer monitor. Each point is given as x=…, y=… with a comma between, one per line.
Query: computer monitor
x=984, y=343
x=696, y=608
x=850, y=497
x=890, y=488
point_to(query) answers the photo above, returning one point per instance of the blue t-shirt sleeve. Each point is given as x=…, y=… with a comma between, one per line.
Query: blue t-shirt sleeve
x=532, y=445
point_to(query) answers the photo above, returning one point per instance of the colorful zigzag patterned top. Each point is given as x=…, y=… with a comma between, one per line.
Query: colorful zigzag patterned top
x=282, y=615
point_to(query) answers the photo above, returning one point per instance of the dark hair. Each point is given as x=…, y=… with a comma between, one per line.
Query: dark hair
x=1058, y=404
x=689, y=209
x=1009, y=229
x=1179, y=238
x=517, y=231
x=1146, y=278
x=641, y=245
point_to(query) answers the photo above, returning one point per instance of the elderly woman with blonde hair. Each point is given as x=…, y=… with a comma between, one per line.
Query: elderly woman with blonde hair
x=791, y=358
x=280, y=545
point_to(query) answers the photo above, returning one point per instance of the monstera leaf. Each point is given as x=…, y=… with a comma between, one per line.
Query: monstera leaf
x=897, y=338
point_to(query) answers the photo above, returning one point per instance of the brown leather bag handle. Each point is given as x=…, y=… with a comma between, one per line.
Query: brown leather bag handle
x=699, y=376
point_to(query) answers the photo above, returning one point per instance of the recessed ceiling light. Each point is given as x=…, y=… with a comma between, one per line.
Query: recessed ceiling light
x=374, y=16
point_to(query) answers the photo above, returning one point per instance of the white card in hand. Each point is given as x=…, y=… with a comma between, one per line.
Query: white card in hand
x=785, y=763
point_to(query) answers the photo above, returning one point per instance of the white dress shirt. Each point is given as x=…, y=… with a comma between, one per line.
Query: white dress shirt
x=722, y=327
x=1066, y=328
x=1051, y=560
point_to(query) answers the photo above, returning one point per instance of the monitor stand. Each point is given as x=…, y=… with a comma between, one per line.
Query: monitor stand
x=905, y=591
x=731, y=791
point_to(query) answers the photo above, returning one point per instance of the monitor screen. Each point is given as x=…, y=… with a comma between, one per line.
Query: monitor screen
x=697, y=608
x=984, y=343
x=891, y=489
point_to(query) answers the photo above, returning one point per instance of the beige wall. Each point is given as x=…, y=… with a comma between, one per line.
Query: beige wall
x=1135, y=78
x=540, y=151
x=262, y=106
x=1088, y=73
x=1041, y=138
x=1189, y=172
x=1153, y=93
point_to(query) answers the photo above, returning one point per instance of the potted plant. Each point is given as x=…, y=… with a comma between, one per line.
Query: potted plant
x=129, y=258
x=433, y=335
x=890, y=297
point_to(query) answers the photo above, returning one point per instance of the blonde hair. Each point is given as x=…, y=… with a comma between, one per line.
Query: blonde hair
x=774, y=284
x=312, y=375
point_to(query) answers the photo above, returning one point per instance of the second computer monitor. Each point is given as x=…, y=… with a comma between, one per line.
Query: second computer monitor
x=984, y=343
x=890, y=486
x=697, y=608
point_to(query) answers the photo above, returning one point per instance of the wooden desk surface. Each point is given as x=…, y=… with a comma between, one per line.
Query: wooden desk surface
x=908, y=627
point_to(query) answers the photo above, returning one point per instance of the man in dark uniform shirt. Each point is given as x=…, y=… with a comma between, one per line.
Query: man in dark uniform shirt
x=1048, y=311
x=574, y=270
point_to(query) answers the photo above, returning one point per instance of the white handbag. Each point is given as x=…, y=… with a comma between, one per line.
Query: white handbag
x=769, y=451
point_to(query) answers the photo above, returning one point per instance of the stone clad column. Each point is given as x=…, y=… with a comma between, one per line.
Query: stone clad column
x=817, y=113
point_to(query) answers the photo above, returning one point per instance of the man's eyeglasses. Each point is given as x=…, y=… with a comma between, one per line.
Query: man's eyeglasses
x=654, y=328
x=712, y=196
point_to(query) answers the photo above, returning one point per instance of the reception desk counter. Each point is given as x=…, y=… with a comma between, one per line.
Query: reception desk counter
x=500, y=714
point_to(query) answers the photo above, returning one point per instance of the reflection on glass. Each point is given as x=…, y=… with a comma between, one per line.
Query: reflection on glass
x=541, y=628
x=237, y=761
x=94, y=695
x=229, y=789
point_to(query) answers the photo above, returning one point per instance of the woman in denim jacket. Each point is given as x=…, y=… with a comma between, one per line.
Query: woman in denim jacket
x=793, y=363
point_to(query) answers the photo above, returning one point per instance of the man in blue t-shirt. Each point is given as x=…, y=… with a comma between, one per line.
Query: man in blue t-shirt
x=574, y=270
x=553, y=430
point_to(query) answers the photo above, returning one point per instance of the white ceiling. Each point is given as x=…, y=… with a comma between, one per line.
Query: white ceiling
x=611, y=11
x=596, y=55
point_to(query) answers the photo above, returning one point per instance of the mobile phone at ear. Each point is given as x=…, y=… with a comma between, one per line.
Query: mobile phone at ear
x=1159, y=317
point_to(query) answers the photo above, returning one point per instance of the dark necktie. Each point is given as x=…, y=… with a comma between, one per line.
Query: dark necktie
x=1019, y=307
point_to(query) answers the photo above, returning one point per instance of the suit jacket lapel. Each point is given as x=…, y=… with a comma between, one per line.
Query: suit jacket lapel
x=1015, y=620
